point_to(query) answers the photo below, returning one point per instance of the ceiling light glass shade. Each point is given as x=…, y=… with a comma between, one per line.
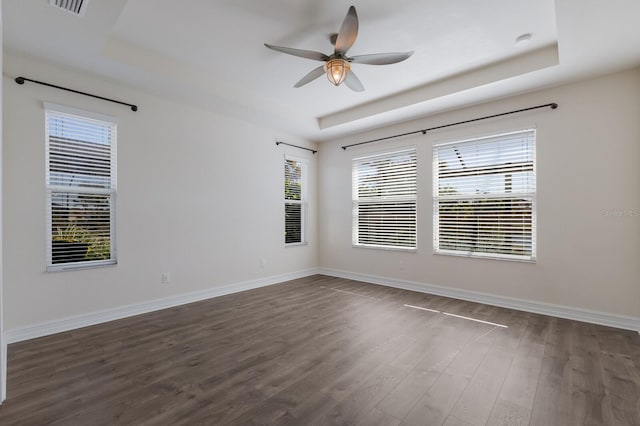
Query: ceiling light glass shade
x=337, y=70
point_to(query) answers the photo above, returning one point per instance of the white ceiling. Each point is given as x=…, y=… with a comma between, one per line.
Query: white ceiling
x=211, y=52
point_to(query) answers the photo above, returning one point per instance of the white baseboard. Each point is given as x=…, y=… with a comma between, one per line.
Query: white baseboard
x=584, y=315
x=3, y=370
x=92, y=318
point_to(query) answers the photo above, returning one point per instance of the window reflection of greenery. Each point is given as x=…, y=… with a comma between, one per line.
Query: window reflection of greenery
x=293, y=210
x=80, y=159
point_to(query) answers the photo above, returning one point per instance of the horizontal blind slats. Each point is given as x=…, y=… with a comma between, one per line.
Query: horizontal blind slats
x=294, y=203
x=384, y=199
x=81, y=186
x=484, y=195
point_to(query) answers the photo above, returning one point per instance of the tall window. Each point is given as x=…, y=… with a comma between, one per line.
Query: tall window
x=384, y=200
x=484, y=196
x=81, y=188
x=294, y=201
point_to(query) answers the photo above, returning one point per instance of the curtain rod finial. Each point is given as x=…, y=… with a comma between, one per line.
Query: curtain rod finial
x=554, y=105
x=20, y=80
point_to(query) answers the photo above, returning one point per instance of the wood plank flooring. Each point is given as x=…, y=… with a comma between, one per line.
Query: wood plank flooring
x=328, y=351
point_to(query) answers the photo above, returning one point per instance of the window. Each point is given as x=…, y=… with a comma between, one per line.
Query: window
x=484, y=197
x=81, y=188
x=384, y=200
x=294, y=201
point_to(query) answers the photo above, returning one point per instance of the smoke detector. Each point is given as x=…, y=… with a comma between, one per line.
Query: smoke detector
x=523, y=39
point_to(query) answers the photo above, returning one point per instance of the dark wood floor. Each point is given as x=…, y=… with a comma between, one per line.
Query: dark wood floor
x=329, y=351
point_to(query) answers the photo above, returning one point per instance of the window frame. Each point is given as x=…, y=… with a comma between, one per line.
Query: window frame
x=57, y=109
x=356, y=201
x=304, y=165
x=531, y=196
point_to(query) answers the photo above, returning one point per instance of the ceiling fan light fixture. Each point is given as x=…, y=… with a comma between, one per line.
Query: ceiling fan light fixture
x=337, y=70
x=337, y=66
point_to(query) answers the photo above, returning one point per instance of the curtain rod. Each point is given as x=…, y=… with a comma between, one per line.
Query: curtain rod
x=424, y=131
x=296, y=146
x=21, y=80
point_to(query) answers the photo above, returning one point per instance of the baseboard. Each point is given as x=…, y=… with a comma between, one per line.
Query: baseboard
x=584, y=315
x=71, y=323
x=3, y=370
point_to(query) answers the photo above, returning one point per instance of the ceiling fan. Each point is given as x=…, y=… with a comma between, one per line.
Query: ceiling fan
x=337, y=66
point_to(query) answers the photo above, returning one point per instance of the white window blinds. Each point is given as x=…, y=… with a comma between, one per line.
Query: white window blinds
x=294, y=201
x=484, y=195
x=384, y=200
x=81, y=185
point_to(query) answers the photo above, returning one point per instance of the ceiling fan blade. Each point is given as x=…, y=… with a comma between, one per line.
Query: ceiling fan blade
x=315, y=73
x=353, y=82
x=332, y=39
x=381, y=58
x=348, y=32
x=309, y=54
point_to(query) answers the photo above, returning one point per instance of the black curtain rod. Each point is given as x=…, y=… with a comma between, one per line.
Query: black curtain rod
x=296, y=146
x=424, y=131
x=21, y=80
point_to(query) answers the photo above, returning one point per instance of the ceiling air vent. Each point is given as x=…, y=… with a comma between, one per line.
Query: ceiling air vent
x=77, y=7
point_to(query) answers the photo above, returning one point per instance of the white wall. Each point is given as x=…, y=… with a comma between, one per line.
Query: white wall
x=199, y=196
x=588, y=177
x=3, y=344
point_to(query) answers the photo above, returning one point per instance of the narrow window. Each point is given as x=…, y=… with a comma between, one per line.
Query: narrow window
x=484, y=197
x=294, y=201
x=384, y=200
x=81, y=188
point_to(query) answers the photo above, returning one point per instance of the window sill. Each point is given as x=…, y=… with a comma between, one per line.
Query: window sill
x=387, y=248
x=80, y=265
x=295, y=244
x=483, y=256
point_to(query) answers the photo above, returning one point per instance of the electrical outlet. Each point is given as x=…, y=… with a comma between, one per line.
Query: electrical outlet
x=166, y=278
